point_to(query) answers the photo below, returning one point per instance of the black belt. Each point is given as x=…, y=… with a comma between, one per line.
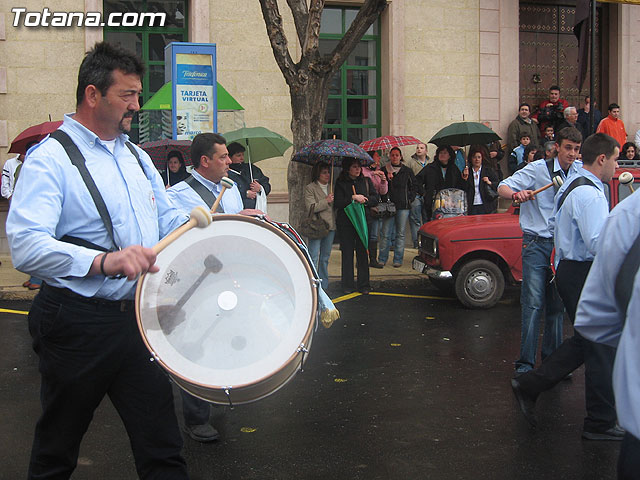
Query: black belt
x=121, y=305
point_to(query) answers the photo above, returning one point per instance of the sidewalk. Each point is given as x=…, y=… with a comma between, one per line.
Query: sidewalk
x=11, y=280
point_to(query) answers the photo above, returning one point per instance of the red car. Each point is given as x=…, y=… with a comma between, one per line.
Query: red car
x=476, y=255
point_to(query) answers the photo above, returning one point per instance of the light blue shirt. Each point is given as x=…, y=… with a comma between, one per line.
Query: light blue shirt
x=599, y=318
x=577, y=225
x=535, y=214
x=186, y=198
x=51, y=201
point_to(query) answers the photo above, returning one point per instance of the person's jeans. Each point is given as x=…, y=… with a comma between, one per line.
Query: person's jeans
x=399, y=220
x=415, y=218
x=537, y=296
x=320, y=251
x=374, y=229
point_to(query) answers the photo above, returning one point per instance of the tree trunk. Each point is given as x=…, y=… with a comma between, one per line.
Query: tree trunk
x=308, y=104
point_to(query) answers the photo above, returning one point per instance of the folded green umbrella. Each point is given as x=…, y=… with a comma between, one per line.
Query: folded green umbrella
x=355, y=213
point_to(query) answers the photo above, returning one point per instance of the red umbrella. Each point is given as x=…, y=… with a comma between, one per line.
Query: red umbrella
x=32, y=134
x=159, y=150
x=389, y=141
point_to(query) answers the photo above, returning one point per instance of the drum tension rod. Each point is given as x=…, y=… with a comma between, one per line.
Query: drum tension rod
x=302, y=349
x=227, y=392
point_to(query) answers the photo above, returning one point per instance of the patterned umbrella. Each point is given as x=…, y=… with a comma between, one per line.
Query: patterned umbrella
x=159, y=149
x=389, y=141
x=32, y=134
x=330, y=151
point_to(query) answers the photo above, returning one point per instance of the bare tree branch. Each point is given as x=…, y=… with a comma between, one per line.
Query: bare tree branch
x=312, y=38
x=300, y=18
x=278, y=39
x=368, y=13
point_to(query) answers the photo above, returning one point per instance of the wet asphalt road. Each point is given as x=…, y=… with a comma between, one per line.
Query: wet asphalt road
x=399, y=388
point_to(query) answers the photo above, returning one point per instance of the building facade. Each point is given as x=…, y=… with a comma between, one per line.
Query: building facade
x=423, y=65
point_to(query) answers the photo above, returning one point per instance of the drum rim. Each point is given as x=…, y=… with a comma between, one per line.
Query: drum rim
x=305, y=339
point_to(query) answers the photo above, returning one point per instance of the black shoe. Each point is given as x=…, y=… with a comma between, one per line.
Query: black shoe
x=526, y=402
x=365, y=290
x=374, y=264
x=348, y=290
x=615, y=434
x=202, y=433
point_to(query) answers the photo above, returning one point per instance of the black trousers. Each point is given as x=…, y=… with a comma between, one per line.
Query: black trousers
x=629, y=459
x=87, y=351
x=573, y=352
x=194, y=410
x=350, y=241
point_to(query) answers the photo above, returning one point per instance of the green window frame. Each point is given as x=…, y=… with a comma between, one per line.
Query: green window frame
x=355, y=90
x=148, y=42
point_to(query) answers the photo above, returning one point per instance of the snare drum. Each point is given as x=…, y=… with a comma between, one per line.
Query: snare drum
x=230, y=315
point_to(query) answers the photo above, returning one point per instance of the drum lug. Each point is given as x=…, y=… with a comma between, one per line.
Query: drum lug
x=302, y=349
x=227, y=392
x=153, y=357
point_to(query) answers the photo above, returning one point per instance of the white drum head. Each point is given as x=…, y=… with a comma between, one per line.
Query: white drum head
x=230, y=306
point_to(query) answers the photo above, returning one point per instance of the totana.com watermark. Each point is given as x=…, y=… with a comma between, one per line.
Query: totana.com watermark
x=47, y=18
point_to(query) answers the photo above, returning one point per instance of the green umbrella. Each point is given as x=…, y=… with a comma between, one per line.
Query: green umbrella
x=464, y=133
x=162, y=99
x=355, y=213
x=260, y=142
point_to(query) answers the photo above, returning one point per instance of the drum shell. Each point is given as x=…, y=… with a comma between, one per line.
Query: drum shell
x=218, y=390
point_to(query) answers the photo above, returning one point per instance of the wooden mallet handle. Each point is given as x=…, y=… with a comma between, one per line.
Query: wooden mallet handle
x=626, y=178
x=226, y=182
x=199, y=217
x=557, y=181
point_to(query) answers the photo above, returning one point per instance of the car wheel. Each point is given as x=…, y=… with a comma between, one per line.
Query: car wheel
x=479, y=284
x=443, y=285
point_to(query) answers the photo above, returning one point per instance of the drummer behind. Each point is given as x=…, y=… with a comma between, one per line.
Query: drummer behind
x=211, y=162
x=83, y=320
x=581, y=210
x=538, y=295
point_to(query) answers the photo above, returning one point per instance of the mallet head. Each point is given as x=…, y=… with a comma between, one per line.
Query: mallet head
x=557, y=182
x=625, y=178
x=201, y=215
x=226, y=182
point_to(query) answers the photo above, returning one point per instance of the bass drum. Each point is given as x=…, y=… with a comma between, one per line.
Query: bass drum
x=230, y=315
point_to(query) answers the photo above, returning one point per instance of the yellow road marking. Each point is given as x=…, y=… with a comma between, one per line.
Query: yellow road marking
x=428, y=297
x=19, y=312
x=346, y=297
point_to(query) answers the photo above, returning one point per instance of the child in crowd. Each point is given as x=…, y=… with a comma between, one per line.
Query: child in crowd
x=517, y=155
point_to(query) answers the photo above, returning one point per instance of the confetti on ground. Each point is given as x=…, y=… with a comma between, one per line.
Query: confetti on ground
x=430, y=318
x=339, y=380
x=446, y=339
x=248, y=429
x=396, y=344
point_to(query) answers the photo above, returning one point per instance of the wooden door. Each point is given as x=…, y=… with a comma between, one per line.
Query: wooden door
x=549, y=52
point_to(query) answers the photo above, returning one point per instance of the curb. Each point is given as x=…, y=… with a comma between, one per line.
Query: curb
x=17, y=293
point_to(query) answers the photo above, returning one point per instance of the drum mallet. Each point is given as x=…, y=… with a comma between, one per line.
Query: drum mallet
x=199, y=217
x=225, y=182
x=556, y=182
x=626, y=178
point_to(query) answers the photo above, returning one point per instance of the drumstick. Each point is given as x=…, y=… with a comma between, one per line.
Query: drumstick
x=557, y=182
x=226, y=182
x=626, y=178
x=199, y=217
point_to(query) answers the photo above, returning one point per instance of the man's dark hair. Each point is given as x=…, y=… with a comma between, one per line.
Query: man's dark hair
x=234, y=148
x=524, y=104
x=569, y=133
x=98, y=66
x=554, y=87
x=612, y=106
x=596, y=145
x=202, y=144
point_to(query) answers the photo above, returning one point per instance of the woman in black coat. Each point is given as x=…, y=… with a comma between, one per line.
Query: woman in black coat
x=176, y=170
x=482, y=182
x=365, y=193
x=440, y=174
